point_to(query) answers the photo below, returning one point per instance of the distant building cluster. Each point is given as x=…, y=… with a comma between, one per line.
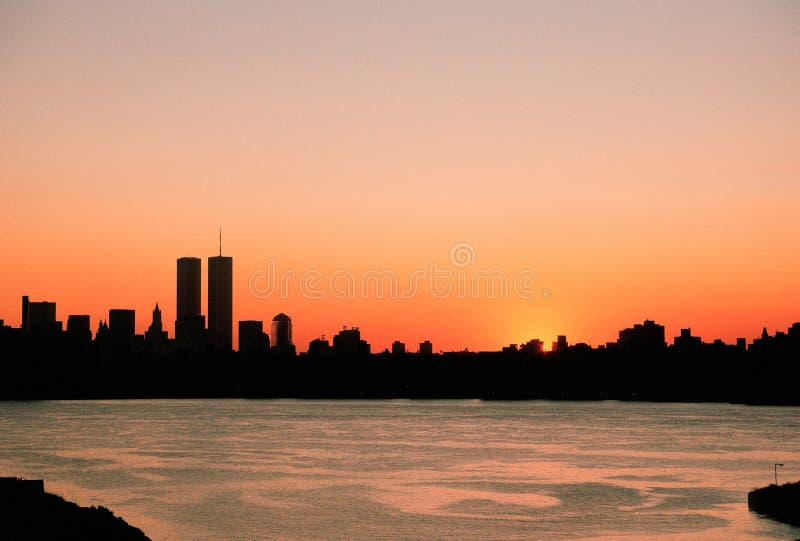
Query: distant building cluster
x=192, y=335
x=44, y=359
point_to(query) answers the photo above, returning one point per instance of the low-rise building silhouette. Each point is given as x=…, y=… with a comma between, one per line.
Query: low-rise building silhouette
x=122, y=326
x=41, y=317
x=79, y=328
x=532, y=347
x=348, y=343
x=426, y=348
x=319, y=348
x=647, y=336
x=560, y=345
x=686, y=340
x=252, y=338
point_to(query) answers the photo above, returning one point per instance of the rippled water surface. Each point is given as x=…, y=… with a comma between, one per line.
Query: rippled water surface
x=238, y=469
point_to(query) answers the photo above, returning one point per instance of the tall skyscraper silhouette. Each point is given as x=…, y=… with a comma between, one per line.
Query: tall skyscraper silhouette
x=190, y=325
x=220, y=301
x=188, y=287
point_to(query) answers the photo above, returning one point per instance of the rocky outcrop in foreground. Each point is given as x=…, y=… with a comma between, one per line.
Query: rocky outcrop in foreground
x=27, y=512
x=780, y=503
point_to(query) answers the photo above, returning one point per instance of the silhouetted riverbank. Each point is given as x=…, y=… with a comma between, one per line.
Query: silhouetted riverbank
x=780, y=503
x=27, y=512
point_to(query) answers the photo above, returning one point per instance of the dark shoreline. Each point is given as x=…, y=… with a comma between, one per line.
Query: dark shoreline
x=367, y=398
x=778, y=502
x=27, y=512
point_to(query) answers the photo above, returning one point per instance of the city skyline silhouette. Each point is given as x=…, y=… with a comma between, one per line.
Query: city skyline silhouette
x=462, y=280
x=191, y=332
x=45, y=360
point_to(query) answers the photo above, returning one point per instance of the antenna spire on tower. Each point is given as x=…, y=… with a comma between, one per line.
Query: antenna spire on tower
x=220, y=241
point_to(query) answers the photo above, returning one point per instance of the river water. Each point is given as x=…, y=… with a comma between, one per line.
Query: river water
x=253, y=469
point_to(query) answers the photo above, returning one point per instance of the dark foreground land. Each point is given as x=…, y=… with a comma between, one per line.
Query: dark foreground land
x=781, y=503
x=27, y=512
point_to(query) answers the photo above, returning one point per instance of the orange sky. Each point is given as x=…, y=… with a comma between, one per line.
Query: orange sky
x=643, y=160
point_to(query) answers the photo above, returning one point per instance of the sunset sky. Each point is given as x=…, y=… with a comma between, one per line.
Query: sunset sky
x=642, y=158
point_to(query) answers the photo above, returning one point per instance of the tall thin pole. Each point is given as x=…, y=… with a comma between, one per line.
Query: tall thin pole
x=776, y=473
x=220, y=241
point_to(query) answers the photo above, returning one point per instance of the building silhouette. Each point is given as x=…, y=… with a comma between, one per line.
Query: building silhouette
x=190, y=324
x=281, y=332
x=189, y=275
x=220, y=302
x=426, y=348
x=319, y=348
x=155, y=336
x=647, y=336
x=102, y=331
x=348, y=344
x=252, y=338
x=532, y=347
x=41, y=316
x=79, y=328
x=398, y=348
x=560, y=345
x=122, y=325
x=25, y=303
x=511, y=348
x=686, y=340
